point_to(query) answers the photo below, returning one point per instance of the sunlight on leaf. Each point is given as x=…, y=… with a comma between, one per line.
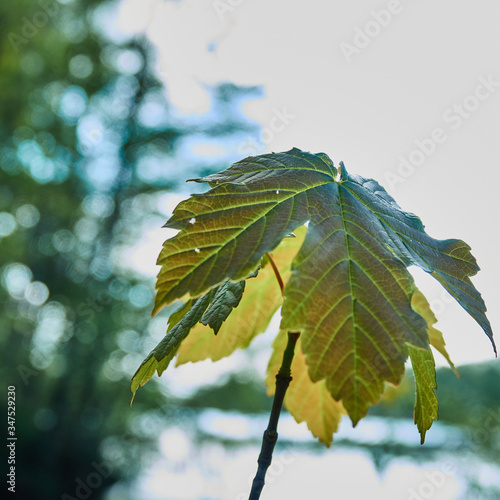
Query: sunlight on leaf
x=420, y=305
x=261, y=300
x=426, y=403
x=307, y=401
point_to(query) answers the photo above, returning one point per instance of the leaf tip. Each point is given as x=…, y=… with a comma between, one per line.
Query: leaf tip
x=158, y=305
x=327, y=442
x=354, y=420
x=343, y=171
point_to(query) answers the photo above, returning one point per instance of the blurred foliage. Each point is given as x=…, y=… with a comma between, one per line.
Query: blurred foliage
x=248, y=395
x=483, y=399
x=87, y=148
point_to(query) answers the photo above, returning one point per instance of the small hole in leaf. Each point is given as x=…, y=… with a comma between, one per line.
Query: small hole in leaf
x=192, y=220
x=278, y=191
x=197, y=250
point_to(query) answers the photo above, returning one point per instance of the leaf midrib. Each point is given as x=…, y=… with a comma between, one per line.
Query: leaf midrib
x=353, y=300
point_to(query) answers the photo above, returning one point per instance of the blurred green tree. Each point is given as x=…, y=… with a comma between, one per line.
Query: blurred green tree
x=85, y=144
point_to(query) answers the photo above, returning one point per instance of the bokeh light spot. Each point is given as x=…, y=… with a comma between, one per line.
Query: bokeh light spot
x=80, y=66
x=140, y=296
x=7, y=224
x=36, y=293
x=27, y=216
x=63, y=240
x=73, y=103
x=15, y=279
x=98, y=205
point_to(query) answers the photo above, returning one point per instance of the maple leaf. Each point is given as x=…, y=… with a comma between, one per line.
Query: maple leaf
x=350, y=293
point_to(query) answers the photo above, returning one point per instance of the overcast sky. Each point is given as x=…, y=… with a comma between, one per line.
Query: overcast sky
x=406, y=92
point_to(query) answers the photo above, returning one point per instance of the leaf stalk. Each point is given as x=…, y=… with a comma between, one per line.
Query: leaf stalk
x=276, y=272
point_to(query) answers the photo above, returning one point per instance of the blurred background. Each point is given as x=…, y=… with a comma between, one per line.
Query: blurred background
x=106, y=108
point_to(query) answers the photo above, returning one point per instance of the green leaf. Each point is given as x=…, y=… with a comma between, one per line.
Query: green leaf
x=177, y=315
x=161, y=356
x=167, y=348
x=420, y=305
x=226, y=298
x=426, y=403
x=350, y=292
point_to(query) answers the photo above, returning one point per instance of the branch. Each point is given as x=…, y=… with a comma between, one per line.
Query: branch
x=270, y=437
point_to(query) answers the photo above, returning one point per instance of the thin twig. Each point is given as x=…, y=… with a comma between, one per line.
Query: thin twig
x=270, y=437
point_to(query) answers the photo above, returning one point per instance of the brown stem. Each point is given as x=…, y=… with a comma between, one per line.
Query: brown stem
x=276, y=272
